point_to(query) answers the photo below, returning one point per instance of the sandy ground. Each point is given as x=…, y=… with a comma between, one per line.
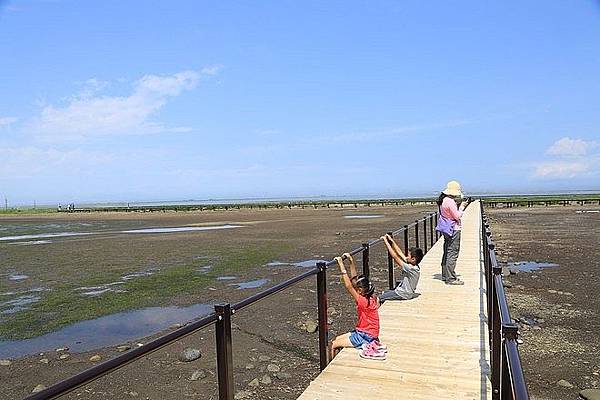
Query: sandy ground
x=564, y=344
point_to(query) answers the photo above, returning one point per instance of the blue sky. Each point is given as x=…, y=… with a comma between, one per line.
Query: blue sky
x=139, y=100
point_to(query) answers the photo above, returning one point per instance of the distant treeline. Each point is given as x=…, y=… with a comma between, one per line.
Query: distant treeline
x=492, y=201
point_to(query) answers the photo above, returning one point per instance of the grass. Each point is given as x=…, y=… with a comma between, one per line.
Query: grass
x=26, y=211
x=62, y=306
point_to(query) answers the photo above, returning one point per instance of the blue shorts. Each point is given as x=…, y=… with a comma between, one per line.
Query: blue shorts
x=358, y=338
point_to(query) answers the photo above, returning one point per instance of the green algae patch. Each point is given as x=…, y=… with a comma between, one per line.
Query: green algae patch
x=64, y=305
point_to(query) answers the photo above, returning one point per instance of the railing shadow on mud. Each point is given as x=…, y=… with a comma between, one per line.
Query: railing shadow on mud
x=423, y=234
x=507, y=377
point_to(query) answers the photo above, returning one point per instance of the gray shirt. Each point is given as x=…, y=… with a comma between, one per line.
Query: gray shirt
x=408, y=284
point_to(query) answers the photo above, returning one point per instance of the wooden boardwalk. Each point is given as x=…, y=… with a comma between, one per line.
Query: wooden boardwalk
x=438, y=342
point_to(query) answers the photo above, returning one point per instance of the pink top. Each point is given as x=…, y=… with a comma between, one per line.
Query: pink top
x=451, y=211
x=368, y=316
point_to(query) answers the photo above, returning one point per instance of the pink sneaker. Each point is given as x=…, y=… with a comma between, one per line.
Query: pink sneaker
x=371, y=354
x=376, y=345
x=379, y=346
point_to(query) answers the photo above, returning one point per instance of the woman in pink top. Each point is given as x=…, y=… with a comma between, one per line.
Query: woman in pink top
x=449, y=225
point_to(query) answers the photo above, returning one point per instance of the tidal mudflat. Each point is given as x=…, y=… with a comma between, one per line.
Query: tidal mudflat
x=104, y=273
x=553, y=295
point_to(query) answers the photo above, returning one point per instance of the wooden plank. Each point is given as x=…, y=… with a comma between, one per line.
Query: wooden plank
x=437, y=343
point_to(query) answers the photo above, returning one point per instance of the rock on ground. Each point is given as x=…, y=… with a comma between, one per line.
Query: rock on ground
x=189, y=354
x=273, y=368
x=197, y=375
x=38, y=388
x=311, y=326
x=242, y=394
x=565, y=384
x=590, y=394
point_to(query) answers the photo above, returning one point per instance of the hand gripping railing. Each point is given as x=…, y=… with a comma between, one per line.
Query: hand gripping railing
x=507, y=377
x=221, y=317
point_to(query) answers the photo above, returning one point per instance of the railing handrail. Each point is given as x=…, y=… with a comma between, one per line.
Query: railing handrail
x=508, y=381
x=98, y=371
x=225, y=389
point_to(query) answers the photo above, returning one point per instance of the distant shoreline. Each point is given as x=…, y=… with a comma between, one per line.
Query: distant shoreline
x=308, y=199
x=302, y=202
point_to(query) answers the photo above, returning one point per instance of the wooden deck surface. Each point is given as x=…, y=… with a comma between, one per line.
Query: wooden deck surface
x=437, y=343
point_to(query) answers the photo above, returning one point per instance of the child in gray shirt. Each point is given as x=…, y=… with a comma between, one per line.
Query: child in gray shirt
x=410, y=271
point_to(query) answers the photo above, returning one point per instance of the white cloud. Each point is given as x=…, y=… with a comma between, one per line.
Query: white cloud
x=560, y=169
x=89, y=114
x=402, y=130
x=569, y=158
x=570, y=147
x=211, y=70
x=7, y=121
x=29, y=161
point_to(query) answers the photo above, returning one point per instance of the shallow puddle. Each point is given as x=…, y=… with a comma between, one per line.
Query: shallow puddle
x=277, y=264
x=250, y=284
x=363, y=216
x=31, y=237
x=183, y=229
x=17, y=277
x=17, y=305
x=93, y=291
x=134, y=275
x=529, y=266
x=32, y=243
x=32, y=290
x=98, y=292
x=45, y=235
x=226, y=278
x=205, y=269
x=110, y=330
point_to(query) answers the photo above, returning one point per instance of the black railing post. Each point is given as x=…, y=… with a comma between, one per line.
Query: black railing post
x=424, y=235
x=224, y=351
x=496, y=338
x=437, y=234
x=431, y=229
x=490, y=287
x=417, y=233
x=365, y=259
x=391, y=282
x=509, y=333
x=405, y=239
x=322, y=311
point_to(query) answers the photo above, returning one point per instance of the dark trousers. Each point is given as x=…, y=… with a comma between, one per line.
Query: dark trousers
x=451, y=249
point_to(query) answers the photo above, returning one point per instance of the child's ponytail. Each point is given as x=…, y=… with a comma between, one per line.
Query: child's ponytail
x=367, y=288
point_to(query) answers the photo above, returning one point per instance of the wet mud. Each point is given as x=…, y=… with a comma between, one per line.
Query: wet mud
x=554, y=301
x=273, y=344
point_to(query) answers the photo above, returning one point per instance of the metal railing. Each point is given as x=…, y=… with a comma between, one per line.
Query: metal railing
x=221, y=317
x=507, y=377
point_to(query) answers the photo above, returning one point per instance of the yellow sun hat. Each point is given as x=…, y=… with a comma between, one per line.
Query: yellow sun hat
x=453, y=189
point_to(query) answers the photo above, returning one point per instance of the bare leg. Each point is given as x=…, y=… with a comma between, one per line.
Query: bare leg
x=340, y=342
